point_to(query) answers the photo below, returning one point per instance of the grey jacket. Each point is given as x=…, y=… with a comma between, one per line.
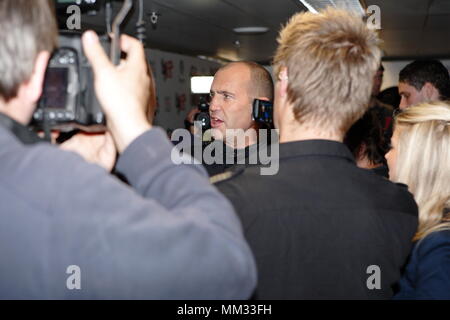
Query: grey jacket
x=169, y=236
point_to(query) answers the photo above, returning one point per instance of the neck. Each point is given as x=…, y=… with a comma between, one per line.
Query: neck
x=248, y=141
x=297, y=132
x=13, y=110
x=365, y=163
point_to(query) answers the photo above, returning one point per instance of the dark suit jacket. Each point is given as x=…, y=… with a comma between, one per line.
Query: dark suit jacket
x=319, y=224
x=428, y=272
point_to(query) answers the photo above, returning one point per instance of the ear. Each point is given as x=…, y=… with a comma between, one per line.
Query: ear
x=362, y=151
x=32, y=89
x=430, y=92
x=283, y=80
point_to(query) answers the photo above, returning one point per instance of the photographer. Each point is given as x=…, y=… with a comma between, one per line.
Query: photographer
x=163, y=239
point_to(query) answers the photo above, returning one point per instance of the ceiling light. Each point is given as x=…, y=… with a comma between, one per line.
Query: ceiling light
x=251, y=30
x=315, y=6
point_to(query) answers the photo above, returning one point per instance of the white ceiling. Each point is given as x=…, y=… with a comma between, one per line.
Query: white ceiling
x=410, y=28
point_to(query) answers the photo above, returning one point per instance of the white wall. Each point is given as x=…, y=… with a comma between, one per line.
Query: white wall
x=393, y=68
x=172, y=73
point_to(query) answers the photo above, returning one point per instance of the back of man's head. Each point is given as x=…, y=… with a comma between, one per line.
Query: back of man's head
x=27, y=28
x=419, y=72
x=331, y=59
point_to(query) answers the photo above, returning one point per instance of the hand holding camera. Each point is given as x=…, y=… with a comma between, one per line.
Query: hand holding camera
x=123, y=90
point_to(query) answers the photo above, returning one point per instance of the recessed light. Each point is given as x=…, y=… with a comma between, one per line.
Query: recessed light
x=251, y=30
x=315, y=6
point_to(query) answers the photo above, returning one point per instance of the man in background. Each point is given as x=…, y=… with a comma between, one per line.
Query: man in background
x=423, y=81
x=233, y=91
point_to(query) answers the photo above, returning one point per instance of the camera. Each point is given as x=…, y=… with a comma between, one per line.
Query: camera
x=263, y=112
x=69, y=101
x=203, y=116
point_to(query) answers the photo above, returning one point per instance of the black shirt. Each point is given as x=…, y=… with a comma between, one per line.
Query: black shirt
x=318, y=225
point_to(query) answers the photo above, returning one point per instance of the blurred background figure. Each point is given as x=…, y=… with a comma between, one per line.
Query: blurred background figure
x=190, y=118
x=420, y=158
x=382, y=110
x=423, y=81
x=391, y=97
x=366, y=141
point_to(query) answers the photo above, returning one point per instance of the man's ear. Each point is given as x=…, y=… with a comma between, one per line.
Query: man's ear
x=430, y=92
x=283, y=80
x=32, y=89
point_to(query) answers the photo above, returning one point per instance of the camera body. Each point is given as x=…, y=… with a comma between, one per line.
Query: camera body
x=69, y=101
x=263, y=112
x=203, y=116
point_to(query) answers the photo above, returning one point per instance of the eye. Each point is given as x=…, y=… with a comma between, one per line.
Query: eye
x=227, y=96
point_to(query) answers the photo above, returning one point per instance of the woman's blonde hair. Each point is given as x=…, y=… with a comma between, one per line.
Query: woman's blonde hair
x=423, y=162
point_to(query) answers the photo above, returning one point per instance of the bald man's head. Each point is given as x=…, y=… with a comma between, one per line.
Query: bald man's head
x=233, y=91
x=261, y=83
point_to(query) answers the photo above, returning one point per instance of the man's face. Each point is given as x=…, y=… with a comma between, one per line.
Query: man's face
x=410, y=95
x=231, y=105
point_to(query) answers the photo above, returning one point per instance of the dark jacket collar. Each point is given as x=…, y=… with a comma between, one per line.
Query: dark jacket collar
x=22, y=133
x=326, y=148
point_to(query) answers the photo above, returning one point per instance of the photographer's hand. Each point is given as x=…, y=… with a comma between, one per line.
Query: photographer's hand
x=95, y=148
x=123, y=90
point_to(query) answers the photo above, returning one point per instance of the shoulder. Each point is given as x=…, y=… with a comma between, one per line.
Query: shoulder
x=395, y=196
x=238, y=177
x=228, y=176
x=36, y=171
x=435, y=245
x=239, y=184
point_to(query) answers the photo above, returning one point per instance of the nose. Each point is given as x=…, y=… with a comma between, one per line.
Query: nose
x=403, y=103
x=387, y=155
x=214, y=104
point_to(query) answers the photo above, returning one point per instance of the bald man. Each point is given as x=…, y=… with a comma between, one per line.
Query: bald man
x=233, y=91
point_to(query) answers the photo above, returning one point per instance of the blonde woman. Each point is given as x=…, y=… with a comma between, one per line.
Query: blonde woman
x=420, y=158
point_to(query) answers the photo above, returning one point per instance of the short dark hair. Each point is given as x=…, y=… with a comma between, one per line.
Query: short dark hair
x=367, y=132
x=261, y=82
x=419, y=72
